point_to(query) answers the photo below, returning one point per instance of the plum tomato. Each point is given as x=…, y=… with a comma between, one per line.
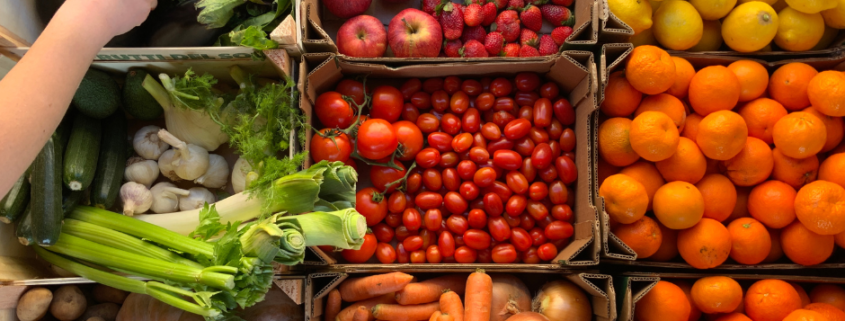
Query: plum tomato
x=538, y=236
x=439, y=101
x=402, y=256
x=537, y=210
x=433, y=218
x=543, y=113
x=503, y=253
x=549, y=90
x=353, y=89
x=541, y=157
x=515, y=205
x=466, y=169
x=479, y=141
x=413, y=243
x=433, y=255
x=376, y=139
x=530, y=256
x=380, y=176
x=428, y=157
x=537, y=191
x=527, y=81
x=449, y=160
x=538, y=135
x=337, y=148
x=410, y=113
x=383, y=232
x=428, y=123
x=564, y=112
x=385, y=253
x=567, y=140
x=410, y=139
x=562, y=212
x=558, y=194
x=418, y=256
x=472, y=87
x=484, y=177
x=432, y=180
x=566, y=169
x=459, y=102
x=477, y=219
x=396, y=203
x=446, y=244
x=485, y=256
x=450, y=124
x=559, y=230
x=462, y=142
x=507, y=160
x=412, y=219
x=421, y=100
x=393, y=220
x=413, y=183
x=471, y=121
x=387, y=103
x=478, y=155
x=505, y=104
x=555, y=129
x=525, y=112
x=371, y=205
x=465, y=254
x=502, y=118
x=526, y=222
x=469, y=191
x=547, y=252
x=402, y=232
x=454, y=203
x=501, y=87
x=513, y=221
x=333, y=111
x=520, y=239
x=428, y=200
x=528, y=169
x=499, y=229
x=493, y=204
x=524, y=146
x=490, y=131
x=431, y=85
x=517, y=128
x=440, y=141
x=368, y=248
x=517, y=182
x=452, y=84
x=477, y=239
x=548, y=174
x=451, y=180
x=410, y=87
x=485, y=101
x=501, y=189
x=526, y=98
x=457, y=224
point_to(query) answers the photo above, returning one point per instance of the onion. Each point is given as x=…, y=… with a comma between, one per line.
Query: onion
x=561, y=300
x=510, y=297
x=528, y=316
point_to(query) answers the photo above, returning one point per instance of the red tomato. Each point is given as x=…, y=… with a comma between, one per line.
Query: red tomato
x=454, y=203
x=432, y=179
x=477, y=239
x=351, y=88
x=428, y=123
x=428, y=237
x=537, y=210
x=501, y=87
x=457, y=224
x=396, y=202
x=567, y=140
x=562, y=213
x=387, y=103
x=440, y=141
x=393, y=220
x=385, y=253
x=548, y=174
x=526, y=113
x=462, y=142
x=459, y=102
x=513, y=221
x=526, y=98
x=479, y=155
x=547, y=252
x=538, y=135
x=541, y=157
x=549, y=90
x=464, y=254
x=471, y=121
x=450, y=124
x=466, y=169
x=538, y=236
x=484, y=177
x=545, y=222
x=505, y=104
x=517, y=182
x=402, y=233
x=503, y=253
x=500, y=189
x=410, y=87
x=451, y=181
x=433, y=255
x=410, y=113
x=428, y=157
x=376, y=139
x=411, y=219
x=469, y=191
x=558, y=193
x=333, y=149
x=517, y=128
x=507, y=160
x=491, y=131
x=449, y=160
x=402, y=256
x=452, y=84
x=493, y=204
x=515, y=205
x=499, y=228
x=543, y=113
x=564, y=112
x=527, y=81
x=365, y=253
x=365, y=204
x=566, y=169
x=446, y=244
x=418, y=256
x=530, y=256
x=413, y=183
x=428, y=200
x=524, y=146
x=559, y=230
x=383, y=175
x=484, y=102
x=471, y=87
x=440, y=101
x=413, y=243
x=433, y=219
x=537, y=191
x=528, y=170
x=333, y=111
x=479, y=141
x=410, y=139
x=431, y=85
x=383, y=232
x=502, y=118
x=421, y=100
x=526, y=222
x=555, y=129
x=477, y=219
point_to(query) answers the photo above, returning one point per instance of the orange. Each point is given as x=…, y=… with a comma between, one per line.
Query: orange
x=805, y=315
x=734, y=317
x=648, y=175
x=620, y=98
x=654, y=136
x=834, y=127
x=667, y=104
x=669, y=247
x=615, y=142
x=803, y=246
x=761, y=115
x=687, y=164
x=753, y=78
x=678, y=205
x=695, y=313
x=833, y=169
x=750, y=241
x=771, y=300
x=830, y=294
x=665, y=302
x=712, y=89
x=741, y=208
x=650, y=70
x=828, y=311
x=772, y=203
x=716, y=294
x=795, y=172
x=642, y=236
x=788, y=85
x=691, y=126
x=752, y=165
x=805, y=298
x=820, y=206
x=799, y=135
x=625, y=199
x=827, y=93
x=683, y=75
x=706, y=245
x=777, y=251
x=840, y=239
x=719, y=196
x=604, y=170
x=722, y=135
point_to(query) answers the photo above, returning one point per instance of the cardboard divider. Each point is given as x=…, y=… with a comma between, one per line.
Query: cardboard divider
x=614, y=57
x=573, y=71
x=319, y=30
x=598, y=287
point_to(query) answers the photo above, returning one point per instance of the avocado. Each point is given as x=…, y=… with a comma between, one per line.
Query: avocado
x=136, y=100
x=98, y=96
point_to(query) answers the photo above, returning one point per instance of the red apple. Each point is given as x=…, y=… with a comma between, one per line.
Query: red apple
x=362, y=36
x=413, y=33
x=347, y=8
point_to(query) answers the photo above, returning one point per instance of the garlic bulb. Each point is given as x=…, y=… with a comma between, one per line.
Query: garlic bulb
x=196, y=199
x=141, y=171
x=217, y=173
x=239, y=174
x=191, y=161
x=165, y=165
x=136, y=198
x=166, y=197
x=147, y=144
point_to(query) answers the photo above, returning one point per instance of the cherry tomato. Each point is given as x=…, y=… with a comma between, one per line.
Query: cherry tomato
x=428, y=200
x=499, y=228
x=454, y=203
x=517, y=129
x=366, y=204
x=376, y=139
x=428, y=123
x=402, y=256
x=555, y=129
x=530, y=256
x=364, y=253
x=537, y=210
x=515, y=205
x=410, y=112
x=479, y=141
x=484, y=177
x=410, y=87
x=428, y=157
x=466, y=169
x=472, y=87
x=477, y=219
x=538, y=236
x=450, y=124
x=471, y=121
x=432, y=179
x=462, y=142
x=451, y=181
x=433, y=255
x=491, y=131
x=525, y=98
x=393, y=220
x=528, y=170
x=469, y=191
x=558, y=194
x=385, y=253
x=457, y=224
x=380, y=176
x=547, y=252
x=446, y=244
x=566, y=169
x=459, y=102
x=440, y=101
x=333, y=111
x=559, y=230
x=493, y=204
x=477, y=239
x=567, y=140
x=465, y=254
x=527, y=81
x=411, y=219
x=421, y=100
x=503, y=253
x=564, y=112
x=505, y=104
x=418, y=256
x=353, y=89
x=337, y=148
x=478, y=155
x=452, y=84
x=440, y=141
x=431, y=85
x=413, y=183
x=410, y=139
x=538, y=135
x=525, y=112
x=507, y=160
x=396, y=202
x=502, y=118
x=413, y=243
x=501, y=87
x=500, y=189
x=432, y=219
x=562, y=213
x=484, y=102
x=541, y=157
x=383, y=232
x=549, y=90
x=548, y=174
x=517, y=182
x=538, y=191
x=524, y=146
x=449, y=160
x=387, y=103
x=526, y=222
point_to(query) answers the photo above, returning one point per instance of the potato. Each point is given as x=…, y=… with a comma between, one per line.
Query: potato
x=106, y=311
x=68, y=303
x=103, y=294
x=33, y=304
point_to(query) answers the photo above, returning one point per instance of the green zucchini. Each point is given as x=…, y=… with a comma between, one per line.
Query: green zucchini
x=83, y=148
x=23, y=230
x=64, y=127
x=46, y=194
x=71, y=199
x=111, y=163
x=15, y=202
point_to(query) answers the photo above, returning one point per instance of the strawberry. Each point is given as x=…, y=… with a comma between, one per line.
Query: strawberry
x=516, y=4
x=473, y=16
x=474, y=33
x=452, y=48
x=430, y=6
x=564, y=3
x=478, y=2
x=548, y=46
x=452, y=20
x=473, y=49
x=532, y=18
x=510, y=50
x=528, y=51
x=557, y=15
x=560, y=34
x=494, y=43
x=489, y=11
x=500, y=4
x=528, y=38
x=508, y=24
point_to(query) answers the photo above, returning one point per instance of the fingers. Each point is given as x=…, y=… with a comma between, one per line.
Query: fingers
x=153, y=4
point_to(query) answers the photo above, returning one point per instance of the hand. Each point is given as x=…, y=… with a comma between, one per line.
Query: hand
x=116, y=16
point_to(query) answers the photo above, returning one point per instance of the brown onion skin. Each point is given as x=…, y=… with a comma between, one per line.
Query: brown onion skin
x=561, y=300
x=510, y=297
x=528, y=316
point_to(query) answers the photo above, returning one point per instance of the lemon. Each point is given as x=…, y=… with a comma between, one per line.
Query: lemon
x=778, y=6
x=812, y=6
x=750, y=26
x=768, y=2
x=835, y=18
x=655, y=4
x=798, y=31
x=713, y=9
x=634, y=13
x=643, y=38
x=711, y=40
x=677, y=25
x=827, y=38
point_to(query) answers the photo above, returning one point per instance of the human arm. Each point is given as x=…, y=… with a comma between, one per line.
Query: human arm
x=36, y=93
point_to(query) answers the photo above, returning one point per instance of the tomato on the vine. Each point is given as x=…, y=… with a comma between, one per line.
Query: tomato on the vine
x=410, y=139
x=376, y=139
x=387, y=103
x=368, y=248
x=337, y=148
x=365, y=204
x=351, y=88
x=333, y=111
x=380, y=176
x=385, y=253
x=503, y=253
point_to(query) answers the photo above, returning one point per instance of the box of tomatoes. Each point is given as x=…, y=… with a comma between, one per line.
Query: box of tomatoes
x=720, y=162
x=460, y=165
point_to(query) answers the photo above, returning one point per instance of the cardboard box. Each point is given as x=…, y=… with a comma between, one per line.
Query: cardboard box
x=613, y=58
x=573, y=71
x=598, y=287
x=319, y=30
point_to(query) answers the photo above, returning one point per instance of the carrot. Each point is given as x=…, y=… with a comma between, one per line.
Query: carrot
x=361, y=314
x=332, y=305
x=395, y=312
x=429, y=290
x=479, y=297
x=348, y=313
x=358, y=289
x=450, y=303
x=445, y=317
x=434, y=316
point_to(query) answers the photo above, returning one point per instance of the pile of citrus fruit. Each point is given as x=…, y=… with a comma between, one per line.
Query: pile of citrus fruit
x=754, y=170
x=743, y=25
x=722, y=298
